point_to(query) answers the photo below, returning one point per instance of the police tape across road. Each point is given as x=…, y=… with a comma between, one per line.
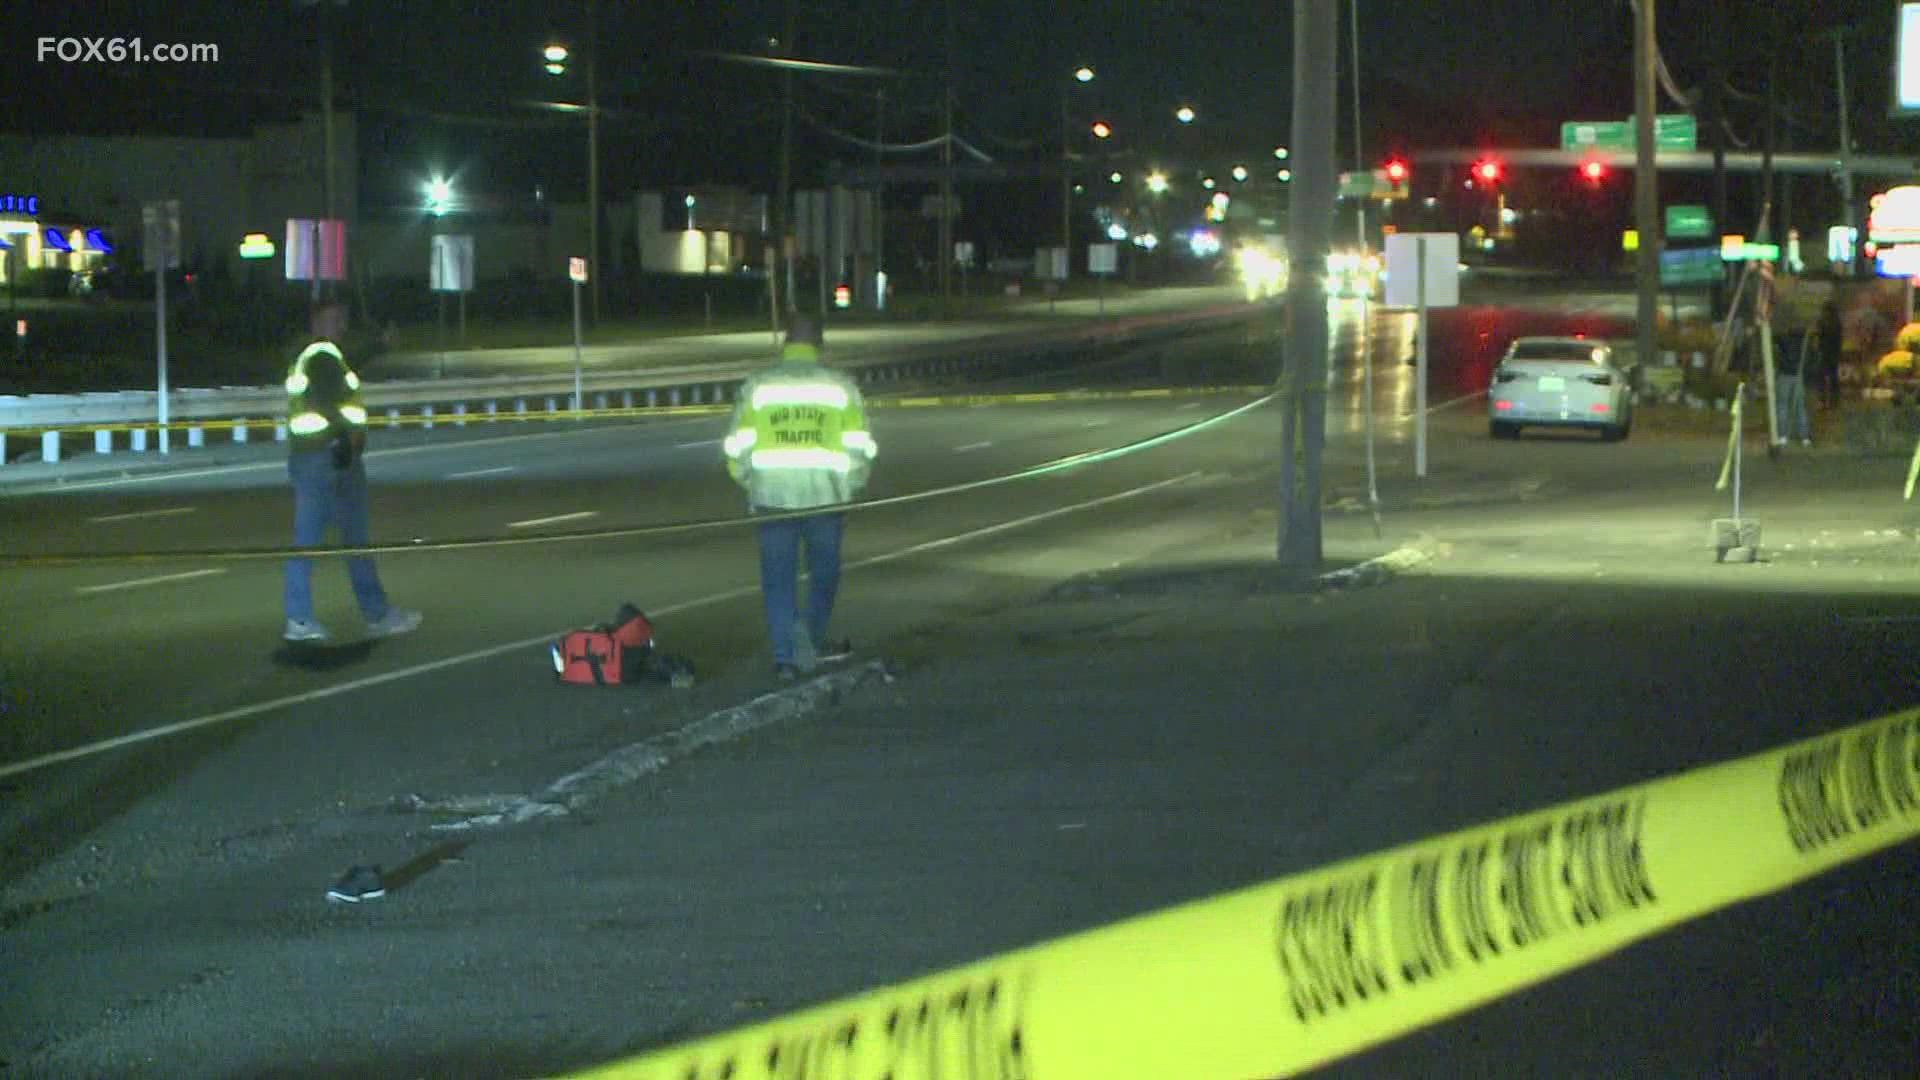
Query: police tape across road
x=1295, y=973
x=1071, y=461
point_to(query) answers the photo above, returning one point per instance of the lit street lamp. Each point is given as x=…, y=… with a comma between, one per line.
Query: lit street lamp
x=1240, y=174
x=690, y=201
x=439, y=196
x=556, y=57
x=1184, y=114
x=1082, y=75
x=1101, y=129
x=1157, y=183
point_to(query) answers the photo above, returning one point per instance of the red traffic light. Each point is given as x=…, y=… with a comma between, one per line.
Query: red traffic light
x=1594, y=171
x=1397, y=172
x=1488, y=172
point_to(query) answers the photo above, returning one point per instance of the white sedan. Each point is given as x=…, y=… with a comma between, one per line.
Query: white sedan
x=1559, y=382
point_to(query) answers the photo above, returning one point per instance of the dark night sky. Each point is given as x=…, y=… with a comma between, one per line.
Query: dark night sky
x=441, y=83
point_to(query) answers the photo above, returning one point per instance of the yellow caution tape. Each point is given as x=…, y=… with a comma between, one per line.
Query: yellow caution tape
x=1733, y=438
x=1290, y=975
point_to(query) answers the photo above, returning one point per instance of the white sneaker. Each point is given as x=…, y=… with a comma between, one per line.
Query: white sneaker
x=395, y=621
x=305, y=630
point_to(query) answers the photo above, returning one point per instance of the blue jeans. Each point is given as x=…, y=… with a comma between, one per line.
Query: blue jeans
x=323, y=496
x=1791, y=390
x=780, y=543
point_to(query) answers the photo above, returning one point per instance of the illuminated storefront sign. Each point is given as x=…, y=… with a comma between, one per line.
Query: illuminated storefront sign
x=19, y=204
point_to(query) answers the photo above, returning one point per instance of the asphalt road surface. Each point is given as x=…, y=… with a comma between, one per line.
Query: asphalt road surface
x=162, y=898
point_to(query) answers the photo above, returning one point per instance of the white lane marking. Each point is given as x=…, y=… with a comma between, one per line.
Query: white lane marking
x=244, y=711
x=140, y=582
x=577, y=515
x=701, y=442
x=495, y=471
x=138, y=514
x=1188, y=405
x=973, y=446
x=1431, y=409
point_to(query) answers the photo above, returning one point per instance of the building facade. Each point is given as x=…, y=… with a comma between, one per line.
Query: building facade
x=226, y=187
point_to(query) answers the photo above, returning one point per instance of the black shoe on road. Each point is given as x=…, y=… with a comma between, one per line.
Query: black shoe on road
x=359, y=883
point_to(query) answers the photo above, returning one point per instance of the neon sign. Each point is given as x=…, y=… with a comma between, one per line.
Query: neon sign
x=19, y=204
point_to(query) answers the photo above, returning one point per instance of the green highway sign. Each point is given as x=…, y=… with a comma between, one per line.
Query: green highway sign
x=1689, y=222
x=1356, y=185
x=1677, y=131
x=1690, y=266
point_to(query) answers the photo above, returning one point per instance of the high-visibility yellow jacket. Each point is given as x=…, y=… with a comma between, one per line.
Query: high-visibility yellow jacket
x=323, y=398
x=798, y=438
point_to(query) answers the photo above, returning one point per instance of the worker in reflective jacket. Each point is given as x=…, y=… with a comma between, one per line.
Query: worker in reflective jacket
x=798, y=441
x=327, y=433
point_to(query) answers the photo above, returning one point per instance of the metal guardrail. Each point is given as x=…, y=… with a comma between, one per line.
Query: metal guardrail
x=193, y=410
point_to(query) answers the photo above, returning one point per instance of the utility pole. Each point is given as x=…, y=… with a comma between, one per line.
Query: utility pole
x=1646, y=186
x=1766, y=229
x=326, y=119
x=1303, y=378
x=1066, y=180
x=783, y=201
x=594, y=270
x=879, y=203
x=945, y=255
x=1846, y=142
x=1717, y=133
x=1359, y=151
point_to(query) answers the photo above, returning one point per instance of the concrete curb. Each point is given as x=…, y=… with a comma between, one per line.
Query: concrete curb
x=629, y=763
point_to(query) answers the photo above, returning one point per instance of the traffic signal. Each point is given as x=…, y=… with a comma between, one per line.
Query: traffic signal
x=1487, y=171
x=1593, y=171
x=1397, y=172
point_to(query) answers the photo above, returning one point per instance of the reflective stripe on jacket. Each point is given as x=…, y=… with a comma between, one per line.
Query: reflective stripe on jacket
x=798, y=438
x=323, y=397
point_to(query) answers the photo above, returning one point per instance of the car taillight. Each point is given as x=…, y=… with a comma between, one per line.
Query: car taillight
x=1599, y=380
x=1602, y=407
x=1503, y=406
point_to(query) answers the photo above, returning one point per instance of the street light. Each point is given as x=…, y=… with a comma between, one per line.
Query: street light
x=1184, y=114
x=1240, y=174
x=1101, y=129
x=1082, y=74
x=1114, y=177
x=690, y=201
x=1157, y=183
x=556, y=57
x=1280, y=153
x=1208, y=183
x=439, y=196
